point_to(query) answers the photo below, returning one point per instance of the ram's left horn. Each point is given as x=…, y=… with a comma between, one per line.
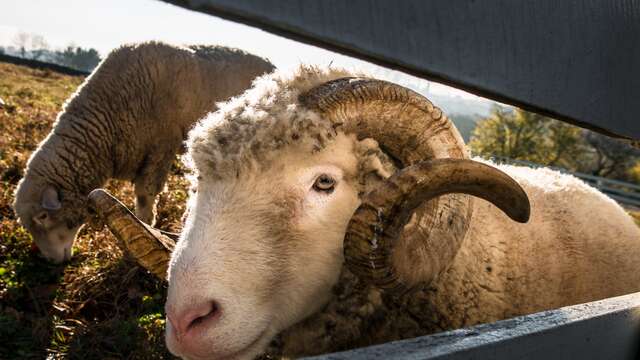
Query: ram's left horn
x=374, y=229
x=150, y=247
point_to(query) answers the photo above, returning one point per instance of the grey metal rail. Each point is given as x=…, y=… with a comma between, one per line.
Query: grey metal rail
x=623, y=192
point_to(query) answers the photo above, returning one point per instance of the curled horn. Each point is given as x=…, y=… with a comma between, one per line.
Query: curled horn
x=150, y=247
x=380, y=219
x=428, y=193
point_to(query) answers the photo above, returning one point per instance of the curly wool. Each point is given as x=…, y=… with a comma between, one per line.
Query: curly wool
x=246, y=130
x=129, y=119
x=564, y=255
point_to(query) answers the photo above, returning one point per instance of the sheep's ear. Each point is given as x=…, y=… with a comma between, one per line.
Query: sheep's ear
x=50, y=199
x=42, y=219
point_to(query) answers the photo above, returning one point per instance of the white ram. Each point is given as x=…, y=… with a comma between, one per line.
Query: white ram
x=296, y=172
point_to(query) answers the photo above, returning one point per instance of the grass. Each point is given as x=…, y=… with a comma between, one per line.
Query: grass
x=100, y=304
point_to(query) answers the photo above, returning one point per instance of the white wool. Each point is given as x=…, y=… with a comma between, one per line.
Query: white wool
x=247, y=129
x=275, y=240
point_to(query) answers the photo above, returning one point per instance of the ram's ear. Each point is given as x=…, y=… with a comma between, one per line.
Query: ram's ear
x=50, y=198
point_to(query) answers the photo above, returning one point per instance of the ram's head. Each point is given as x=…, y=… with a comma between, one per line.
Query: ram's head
x=296, y=177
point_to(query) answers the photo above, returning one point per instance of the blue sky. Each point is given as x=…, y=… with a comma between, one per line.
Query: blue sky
x=106, y=24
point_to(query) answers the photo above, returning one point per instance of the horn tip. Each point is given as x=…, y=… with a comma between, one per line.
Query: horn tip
x=523, y=214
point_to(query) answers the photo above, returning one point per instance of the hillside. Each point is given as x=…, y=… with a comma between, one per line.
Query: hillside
x=465, y=124
x=98, y=306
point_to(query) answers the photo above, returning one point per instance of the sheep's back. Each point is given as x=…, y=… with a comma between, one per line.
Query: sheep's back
x=578, y=246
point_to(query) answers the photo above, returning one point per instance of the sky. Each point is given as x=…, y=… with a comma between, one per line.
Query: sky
x=105, y=25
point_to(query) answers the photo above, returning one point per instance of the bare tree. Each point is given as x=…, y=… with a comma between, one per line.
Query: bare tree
x=22, y=41
x=612, y=157
x=39, y=46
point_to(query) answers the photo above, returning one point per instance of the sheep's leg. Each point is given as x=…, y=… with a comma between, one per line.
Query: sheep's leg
x=148, y=184
x=146, y=208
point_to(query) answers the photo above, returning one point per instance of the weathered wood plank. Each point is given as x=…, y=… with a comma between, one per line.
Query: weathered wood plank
x=607, y=329
x=575, y=60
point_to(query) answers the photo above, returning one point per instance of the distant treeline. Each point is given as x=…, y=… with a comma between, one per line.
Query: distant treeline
x=41, y=65
x=35, y=47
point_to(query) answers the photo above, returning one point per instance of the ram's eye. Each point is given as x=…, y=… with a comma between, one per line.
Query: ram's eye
x=324, y=183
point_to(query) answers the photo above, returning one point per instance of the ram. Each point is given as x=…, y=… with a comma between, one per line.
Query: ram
x=127, y=121
x=314, y=169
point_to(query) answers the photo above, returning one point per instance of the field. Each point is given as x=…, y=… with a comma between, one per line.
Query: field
x=100, y=305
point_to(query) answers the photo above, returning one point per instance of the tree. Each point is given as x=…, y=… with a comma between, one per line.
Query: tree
x=518, y=134
x=66, y=55
x=39, y=46
x=611, y=157
x=78, y=58
x=32, y=46
x=521, y=135
x=21, y=41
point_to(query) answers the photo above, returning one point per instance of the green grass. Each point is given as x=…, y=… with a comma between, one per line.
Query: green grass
x=99, y=305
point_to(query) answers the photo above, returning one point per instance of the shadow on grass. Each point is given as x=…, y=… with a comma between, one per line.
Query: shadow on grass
x=28, y=287
x=89, y=308
x=124, y=316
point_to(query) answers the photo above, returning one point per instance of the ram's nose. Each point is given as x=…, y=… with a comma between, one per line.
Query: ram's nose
x=188, y=320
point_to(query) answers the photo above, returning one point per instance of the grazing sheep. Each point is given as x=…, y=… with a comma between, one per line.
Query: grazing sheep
x=307, y=171
x=127, y=121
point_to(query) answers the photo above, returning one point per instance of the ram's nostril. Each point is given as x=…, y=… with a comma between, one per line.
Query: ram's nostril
x=190, y=318
x=202, y=318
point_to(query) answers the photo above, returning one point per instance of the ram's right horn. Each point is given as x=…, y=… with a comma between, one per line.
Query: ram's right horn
x=150, y=247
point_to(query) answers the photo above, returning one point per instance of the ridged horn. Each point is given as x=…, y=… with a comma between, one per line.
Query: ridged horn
x=380, y=219
x=150, y=247
x=410, y=130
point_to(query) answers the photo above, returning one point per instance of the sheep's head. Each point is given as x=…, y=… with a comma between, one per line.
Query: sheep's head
x=52, y=216
x=294, y=174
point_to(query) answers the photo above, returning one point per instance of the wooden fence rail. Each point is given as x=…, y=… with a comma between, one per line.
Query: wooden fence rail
x=602, y=330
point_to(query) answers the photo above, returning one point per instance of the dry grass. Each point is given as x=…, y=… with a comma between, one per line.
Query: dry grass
x=100, y=305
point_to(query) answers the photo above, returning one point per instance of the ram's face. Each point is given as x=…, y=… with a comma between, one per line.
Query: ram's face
x=260, y=253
